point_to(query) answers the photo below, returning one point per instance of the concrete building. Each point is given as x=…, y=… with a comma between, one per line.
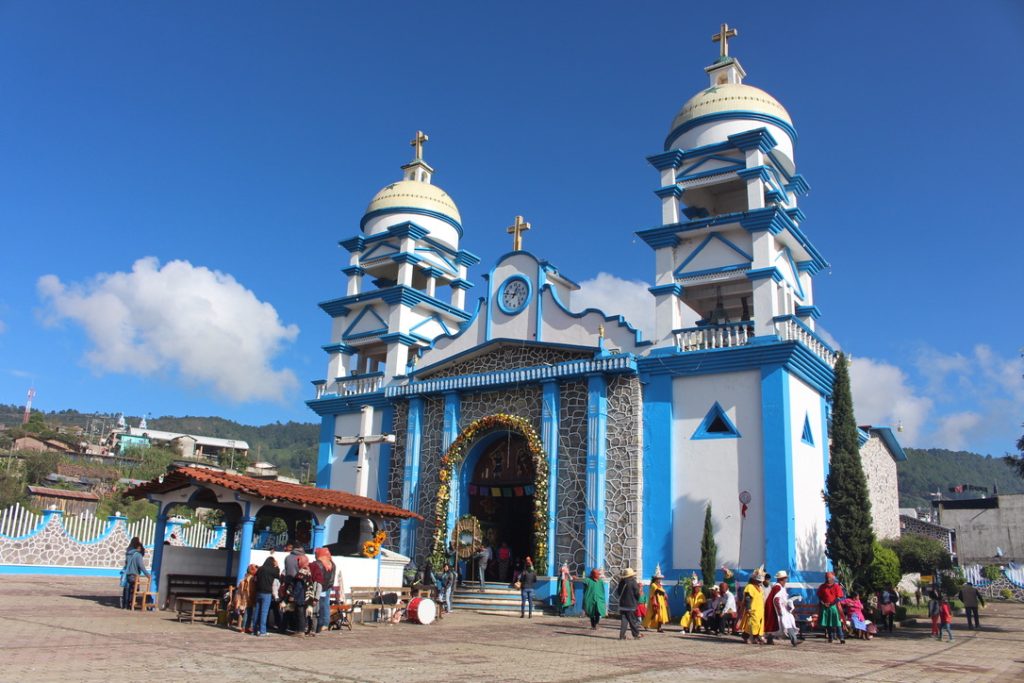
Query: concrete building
x=879, y=454
x=985, y=527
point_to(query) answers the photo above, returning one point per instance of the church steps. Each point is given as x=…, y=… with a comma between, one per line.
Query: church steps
x=497, y=598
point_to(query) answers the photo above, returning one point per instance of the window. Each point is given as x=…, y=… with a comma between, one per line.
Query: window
x=716, y=425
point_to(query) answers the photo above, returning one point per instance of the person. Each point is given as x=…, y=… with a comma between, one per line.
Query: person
x=693, y=618
x=934, y=595
x=527, y=585
x=727, y=608
x=778, y=617
x=291, y=561
x=265, y=577
x=628, y=594
x=945, y=618
x=244, y=600
x=854, y=608
x=888, y=599
x=504, y=562
x=711, y=615
x=829, y=595
x=304, y=596
x=327, y=571
x=565, y=598
x=752, y=619
x=657, y=603
x=446, y=584
x=482, y=556
x=134, y=565
x=594, y=605
x=971, y=598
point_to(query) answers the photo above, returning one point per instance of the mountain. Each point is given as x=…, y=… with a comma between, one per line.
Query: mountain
x=937, y=469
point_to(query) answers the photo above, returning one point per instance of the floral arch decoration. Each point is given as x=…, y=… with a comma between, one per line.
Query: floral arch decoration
x=456, y=454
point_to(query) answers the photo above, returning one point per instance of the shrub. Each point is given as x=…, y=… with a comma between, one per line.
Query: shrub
x=885, y=568
x=901, y=613
x=919, y=553
x=1006, y=593
x=992, y=572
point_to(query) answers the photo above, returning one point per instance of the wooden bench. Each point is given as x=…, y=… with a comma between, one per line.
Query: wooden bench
x=362, y=599
x=186, y=607
x=196, y=586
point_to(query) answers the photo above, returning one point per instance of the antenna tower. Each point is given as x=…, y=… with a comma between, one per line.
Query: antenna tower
x=28, y=405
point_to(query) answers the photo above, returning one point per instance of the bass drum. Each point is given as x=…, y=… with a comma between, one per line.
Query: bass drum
x=421, y=611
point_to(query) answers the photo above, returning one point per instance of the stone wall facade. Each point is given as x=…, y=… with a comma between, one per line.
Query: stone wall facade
x=52, y=546
x=883, y=490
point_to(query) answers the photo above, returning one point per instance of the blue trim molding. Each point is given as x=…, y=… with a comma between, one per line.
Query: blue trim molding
x=658, y=472
x=777, y=458
x=325, y=453
x=411, y=486
x=387, y=425
x=549, y=427
x=730, y=116
x=597, y=463
x=413, y=210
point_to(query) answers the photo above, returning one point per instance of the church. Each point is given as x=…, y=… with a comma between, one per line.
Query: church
x=563, y=432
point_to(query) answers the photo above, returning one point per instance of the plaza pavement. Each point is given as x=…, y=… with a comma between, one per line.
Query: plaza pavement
x=67, y=629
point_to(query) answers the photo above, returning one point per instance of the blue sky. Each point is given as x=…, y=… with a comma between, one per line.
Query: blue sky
x=238, y=142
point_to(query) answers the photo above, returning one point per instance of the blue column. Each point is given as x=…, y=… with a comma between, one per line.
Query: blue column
x=549, y=422
x=244, y=546
x=231, y=530
x=159, y=534
x=597, y=437
x=325, y=456
x=318, y=535
x=452, y=414
x=778, y=430
x=387, y=426
x=658, y=474
x=410, y=489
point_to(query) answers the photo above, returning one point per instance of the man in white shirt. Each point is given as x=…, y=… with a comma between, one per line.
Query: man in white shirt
x=727, y=608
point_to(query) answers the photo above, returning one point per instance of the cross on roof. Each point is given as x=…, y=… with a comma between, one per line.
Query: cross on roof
x=723, y=37
x=417, y=142
x=516, y=230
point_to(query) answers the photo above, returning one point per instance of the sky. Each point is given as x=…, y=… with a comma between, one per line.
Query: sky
x=175, y=177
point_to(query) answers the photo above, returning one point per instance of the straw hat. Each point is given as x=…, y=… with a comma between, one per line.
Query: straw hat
x=781, y=574
x=628, y=572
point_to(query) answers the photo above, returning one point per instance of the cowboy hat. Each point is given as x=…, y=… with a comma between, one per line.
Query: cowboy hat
x=781, y=574
x=628, y=572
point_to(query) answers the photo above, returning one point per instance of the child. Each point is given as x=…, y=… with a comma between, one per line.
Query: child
x=945, y=618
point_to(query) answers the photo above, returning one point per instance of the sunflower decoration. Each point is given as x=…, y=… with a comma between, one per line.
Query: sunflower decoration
x=371, y=548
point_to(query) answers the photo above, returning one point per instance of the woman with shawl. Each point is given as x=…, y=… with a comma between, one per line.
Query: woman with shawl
x=566, y=596
x=693, y=619
x=657, y=603
x=594, y=603
x=244, y=601
x=326, y=572
x=829, y=595
x=752, y=622
x=304, y=595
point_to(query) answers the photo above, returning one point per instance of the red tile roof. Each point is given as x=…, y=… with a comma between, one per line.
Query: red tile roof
x=336, y=501
x=62, y=493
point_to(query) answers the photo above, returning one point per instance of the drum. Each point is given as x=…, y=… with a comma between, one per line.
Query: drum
x=421, y=611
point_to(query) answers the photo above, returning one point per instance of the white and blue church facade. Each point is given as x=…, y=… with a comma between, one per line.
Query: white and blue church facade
x=563, y=431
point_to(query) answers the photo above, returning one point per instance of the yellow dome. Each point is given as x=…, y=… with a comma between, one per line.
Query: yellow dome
x=730, y=97
x=415, y=195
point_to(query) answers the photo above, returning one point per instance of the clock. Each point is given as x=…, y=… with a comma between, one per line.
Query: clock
x=514, y=294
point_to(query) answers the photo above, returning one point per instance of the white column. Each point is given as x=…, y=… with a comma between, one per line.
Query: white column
x=362, y=465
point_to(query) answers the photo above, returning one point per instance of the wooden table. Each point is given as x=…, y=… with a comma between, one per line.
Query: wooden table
x=186, y=607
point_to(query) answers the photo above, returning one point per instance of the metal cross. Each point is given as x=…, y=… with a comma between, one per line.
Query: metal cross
x=417, y=142
x=517, y=230
x=723, y=37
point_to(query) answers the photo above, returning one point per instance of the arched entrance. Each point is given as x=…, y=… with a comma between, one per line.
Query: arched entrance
x=500, y=493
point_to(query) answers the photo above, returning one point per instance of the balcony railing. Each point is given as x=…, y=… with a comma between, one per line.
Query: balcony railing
x=351, y=386
x=790, y=329
x=722, y=336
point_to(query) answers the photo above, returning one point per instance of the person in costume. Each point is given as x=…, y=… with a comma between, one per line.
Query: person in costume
x=752, y=621
x=565, y=598
x=829, y=595
x=657, y=603
x=778, y=617
x=594, y=603
x=693, y=619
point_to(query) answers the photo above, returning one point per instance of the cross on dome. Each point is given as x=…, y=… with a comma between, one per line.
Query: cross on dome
x=417, y=143
x=723, y=36
x=516, y=230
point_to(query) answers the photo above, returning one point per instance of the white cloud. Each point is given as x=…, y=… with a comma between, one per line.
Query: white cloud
x=615, y=296
x=883, y=395
x=952, y=430
x=202, y=323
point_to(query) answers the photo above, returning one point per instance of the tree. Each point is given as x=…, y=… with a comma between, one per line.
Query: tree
x=149, y=462
x=38, y=466
x=708, y=550
x=1017, y=461
x=885, y=568
x=919, y=553
x=849, y=537
x=133, y=509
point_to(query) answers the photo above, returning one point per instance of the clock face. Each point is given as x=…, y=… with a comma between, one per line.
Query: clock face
x=514, y=295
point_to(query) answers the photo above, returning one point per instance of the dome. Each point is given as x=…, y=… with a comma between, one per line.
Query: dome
x=413, y=194
x=730, y=97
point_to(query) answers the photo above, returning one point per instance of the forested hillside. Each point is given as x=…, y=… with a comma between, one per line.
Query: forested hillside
x=937, y=469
